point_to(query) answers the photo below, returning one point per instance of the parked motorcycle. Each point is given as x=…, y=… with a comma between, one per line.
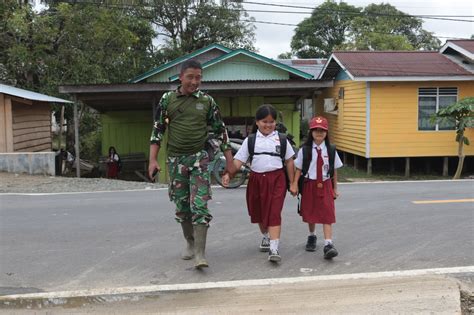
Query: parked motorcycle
x=217, y=166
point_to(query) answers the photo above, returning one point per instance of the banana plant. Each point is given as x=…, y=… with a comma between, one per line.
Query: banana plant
x=462, y=112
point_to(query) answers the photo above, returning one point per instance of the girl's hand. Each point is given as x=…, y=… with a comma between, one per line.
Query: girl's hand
x=225, y=180
x=294, y=189
x=335, y=194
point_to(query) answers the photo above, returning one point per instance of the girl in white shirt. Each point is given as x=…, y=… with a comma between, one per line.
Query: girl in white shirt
x=266, y=189
x=113, y=163
x=319, y=188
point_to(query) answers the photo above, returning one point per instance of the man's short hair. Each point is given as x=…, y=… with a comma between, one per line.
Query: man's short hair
x=193, y=64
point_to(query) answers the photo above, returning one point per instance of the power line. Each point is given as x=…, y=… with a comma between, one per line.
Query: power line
x=354, y=13
x=339, y=11
x=127, y=6
x=346, y=12
x=287, y=24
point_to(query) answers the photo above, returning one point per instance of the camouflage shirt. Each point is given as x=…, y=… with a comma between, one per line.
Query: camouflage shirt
x=187, y=118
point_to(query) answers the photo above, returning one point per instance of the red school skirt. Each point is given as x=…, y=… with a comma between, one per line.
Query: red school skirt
x=112, y=170
x=315, y=209
x=265, y=196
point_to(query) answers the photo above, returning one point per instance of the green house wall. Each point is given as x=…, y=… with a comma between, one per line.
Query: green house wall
x=129, y=131
x=164, y=75
x=242, y=67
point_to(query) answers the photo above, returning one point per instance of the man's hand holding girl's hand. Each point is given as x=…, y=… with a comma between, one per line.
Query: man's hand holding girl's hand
x=225, y=179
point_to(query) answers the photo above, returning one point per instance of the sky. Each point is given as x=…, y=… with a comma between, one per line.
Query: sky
x=271, y=40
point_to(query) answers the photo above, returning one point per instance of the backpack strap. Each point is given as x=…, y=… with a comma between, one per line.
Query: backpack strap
x=251, y=147
x=283, y=142
x=332, y=157
x=307, y=155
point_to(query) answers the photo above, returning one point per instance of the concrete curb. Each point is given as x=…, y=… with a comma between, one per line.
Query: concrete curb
x=399, y=291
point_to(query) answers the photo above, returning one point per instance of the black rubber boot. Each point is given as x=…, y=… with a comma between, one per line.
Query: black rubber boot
x=200, y=235
x=188, y=232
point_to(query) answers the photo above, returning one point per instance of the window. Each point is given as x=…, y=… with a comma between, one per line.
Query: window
x=431, y=100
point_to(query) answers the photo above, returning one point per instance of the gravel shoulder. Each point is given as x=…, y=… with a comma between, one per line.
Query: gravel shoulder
x=24, y=183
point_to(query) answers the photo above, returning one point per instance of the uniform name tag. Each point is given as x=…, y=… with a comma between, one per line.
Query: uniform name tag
x=199, y=106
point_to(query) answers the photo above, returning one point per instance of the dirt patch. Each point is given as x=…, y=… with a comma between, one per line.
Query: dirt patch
x=24, y=183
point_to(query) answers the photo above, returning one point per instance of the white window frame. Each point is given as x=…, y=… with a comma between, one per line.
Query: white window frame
x=445, y=91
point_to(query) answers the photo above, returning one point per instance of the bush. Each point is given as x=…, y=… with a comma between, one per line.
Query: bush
x=91, y=144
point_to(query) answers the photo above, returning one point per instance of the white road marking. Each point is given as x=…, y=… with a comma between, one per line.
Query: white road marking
x=81, y=192
x=218, y=186
x=233, y=284
x=441, y=201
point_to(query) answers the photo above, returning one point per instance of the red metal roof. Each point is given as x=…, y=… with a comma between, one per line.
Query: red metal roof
x=398, y=64
x=464, y=43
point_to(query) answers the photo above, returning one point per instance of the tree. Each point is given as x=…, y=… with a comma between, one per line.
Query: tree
x=383, y=27
x=340, y=26
x=92, y=42
x=462, y=112
x=318, y=35
x=286, y=55
x=72, y=44
x=187, y=25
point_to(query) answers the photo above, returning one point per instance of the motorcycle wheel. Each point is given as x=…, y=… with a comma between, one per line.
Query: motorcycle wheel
x=235, y=182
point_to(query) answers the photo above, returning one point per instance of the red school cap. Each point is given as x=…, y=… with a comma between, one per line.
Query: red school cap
x=318, y=122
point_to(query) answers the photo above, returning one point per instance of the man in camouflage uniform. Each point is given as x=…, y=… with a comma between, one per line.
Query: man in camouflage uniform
x=187, y=112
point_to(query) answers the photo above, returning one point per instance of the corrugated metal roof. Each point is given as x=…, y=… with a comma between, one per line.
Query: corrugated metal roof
x=311, y=66
x=29, y=95
x=177, y=61
x=465, y=44
x=399, y=64
x=260, y=58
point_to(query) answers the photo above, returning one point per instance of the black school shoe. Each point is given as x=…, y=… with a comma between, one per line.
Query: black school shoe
x=330, y=251
x=311, y=243
x=274, y=256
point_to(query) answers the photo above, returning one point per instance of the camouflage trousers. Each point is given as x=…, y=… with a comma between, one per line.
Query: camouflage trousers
x=190, y=187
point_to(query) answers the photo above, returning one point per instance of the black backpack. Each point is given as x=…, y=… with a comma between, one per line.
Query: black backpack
x=283, y=144
x=119, y=162
x=307, y=156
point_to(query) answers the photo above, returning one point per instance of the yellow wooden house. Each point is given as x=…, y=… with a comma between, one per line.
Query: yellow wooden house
x=381, y=102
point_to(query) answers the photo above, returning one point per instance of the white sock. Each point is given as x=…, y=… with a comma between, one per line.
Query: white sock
x=312, y=233
x=274, y=244
x=327, y=242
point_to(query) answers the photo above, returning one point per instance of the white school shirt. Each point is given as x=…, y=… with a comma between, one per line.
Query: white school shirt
x=262, y=163
x=312, y=166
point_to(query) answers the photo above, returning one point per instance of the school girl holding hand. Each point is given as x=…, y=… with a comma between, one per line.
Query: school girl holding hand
x=267, y=186
x=319, y=184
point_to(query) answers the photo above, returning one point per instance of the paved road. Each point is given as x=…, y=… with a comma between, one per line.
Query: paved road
x=103, y=240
